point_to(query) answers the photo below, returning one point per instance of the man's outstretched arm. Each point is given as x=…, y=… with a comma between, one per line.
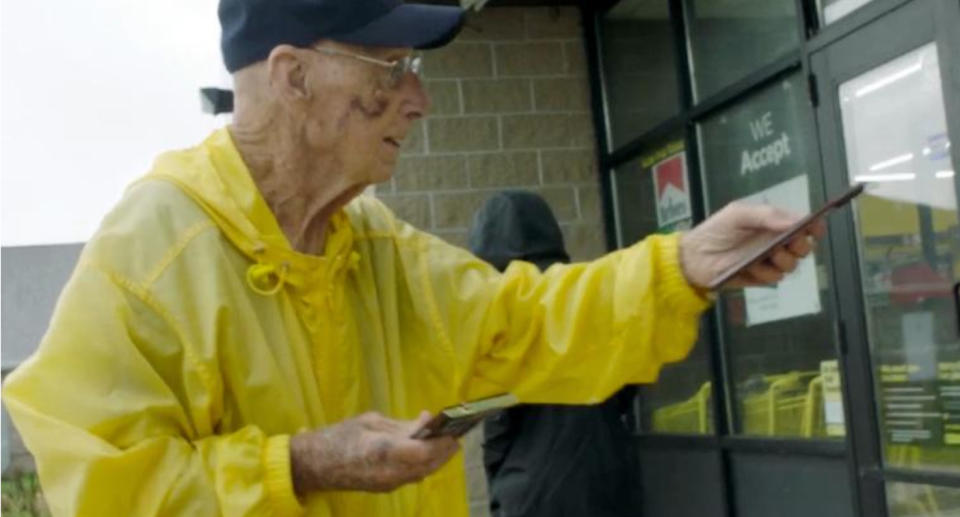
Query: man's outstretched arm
x=576, y=333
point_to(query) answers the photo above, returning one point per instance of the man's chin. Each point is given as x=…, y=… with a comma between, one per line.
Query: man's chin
x=383, y=172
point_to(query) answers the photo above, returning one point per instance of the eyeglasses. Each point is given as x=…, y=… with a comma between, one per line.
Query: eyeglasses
x=411, y=64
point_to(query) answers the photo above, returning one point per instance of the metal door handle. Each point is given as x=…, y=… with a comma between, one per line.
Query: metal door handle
x=956, y=304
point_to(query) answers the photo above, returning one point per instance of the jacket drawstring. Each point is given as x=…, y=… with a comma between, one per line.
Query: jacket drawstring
x=264, y=278
x=268, y=279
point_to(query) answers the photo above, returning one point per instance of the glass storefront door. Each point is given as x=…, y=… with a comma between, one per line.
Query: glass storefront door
x=908, y=242
x=884, y=118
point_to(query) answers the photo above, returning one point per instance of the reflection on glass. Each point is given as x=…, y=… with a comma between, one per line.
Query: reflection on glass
x=896, y=139
x=780, y=342
x=833, y=10
x=909, y=500
x=652, y=196
x=729, y=40
x=639, y=67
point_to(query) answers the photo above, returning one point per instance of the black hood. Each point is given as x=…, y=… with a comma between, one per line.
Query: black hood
x=517, y=225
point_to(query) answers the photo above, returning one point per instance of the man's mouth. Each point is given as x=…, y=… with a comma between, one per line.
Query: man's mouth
x=393, y=141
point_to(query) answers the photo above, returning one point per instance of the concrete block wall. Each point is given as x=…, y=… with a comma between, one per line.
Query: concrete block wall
x=510, y=109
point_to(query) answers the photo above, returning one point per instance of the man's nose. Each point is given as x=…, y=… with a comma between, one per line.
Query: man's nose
x=415, y=101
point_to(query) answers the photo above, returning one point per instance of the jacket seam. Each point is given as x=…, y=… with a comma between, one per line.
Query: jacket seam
x=175, y=250
x=432, y=306
x=433, y=309
x=143, y=294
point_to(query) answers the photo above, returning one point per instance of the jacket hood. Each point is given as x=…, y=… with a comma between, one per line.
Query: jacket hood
x=517, y=225
x=215, y=176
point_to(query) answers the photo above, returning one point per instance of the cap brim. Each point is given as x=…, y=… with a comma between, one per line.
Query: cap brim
x=409, y=25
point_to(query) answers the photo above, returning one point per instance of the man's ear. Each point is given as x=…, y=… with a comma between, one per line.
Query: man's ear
x=288, y=73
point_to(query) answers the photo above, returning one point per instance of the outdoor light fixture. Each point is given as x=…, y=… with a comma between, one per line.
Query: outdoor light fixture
x=216, y=100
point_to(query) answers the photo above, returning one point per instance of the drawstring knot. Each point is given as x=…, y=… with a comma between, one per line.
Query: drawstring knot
x=268, y=279
x=264, y=278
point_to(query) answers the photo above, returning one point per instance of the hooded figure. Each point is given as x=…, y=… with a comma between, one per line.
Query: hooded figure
x=549, y=460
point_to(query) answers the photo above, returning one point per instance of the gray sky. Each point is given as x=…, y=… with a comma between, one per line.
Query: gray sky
x=90, y=92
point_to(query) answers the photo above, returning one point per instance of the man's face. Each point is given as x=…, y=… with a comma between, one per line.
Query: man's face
x=358, y=116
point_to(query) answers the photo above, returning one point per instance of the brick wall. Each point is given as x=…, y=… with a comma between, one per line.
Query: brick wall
x=511, y=109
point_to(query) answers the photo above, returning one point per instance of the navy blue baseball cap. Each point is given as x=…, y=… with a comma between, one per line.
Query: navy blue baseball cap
x=252, y=28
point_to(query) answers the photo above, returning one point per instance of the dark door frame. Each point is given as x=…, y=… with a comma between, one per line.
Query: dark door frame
x=907, y=26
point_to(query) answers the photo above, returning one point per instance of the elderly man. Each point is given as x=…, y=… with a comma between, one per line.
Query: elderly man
x=245, y=336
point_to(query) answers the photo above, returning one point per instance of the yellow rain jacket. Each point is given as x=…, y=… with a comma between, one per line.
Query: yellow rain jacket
x=192, y=341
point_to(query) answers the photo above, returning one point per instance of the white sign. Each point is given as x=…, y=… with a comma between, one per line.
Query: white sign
x=895, y=129
x=672, y=190
x=799, y=293
x=832, y=398
x=837, y=9
x=920, y=343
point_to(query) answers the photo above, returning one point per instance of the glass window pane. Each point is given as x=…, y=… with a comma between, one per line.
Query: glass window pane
x=639, y=67
x=895, y=136
x=833, y=10
x=910, y=500
x=652, y=196
x=780, y=341
x=729, y=40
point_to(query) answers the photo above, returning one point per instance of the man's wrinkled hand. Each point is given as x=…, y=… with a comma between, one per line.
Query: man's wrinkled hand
x=733, y=233
x=369, y=453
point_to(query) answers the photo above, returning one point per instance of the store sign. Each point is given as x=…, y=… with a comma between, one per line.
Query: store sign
x=910, y=391
x=920, y=397
x=910, y=406
x=771, y=148
x=672, y=190
x=832, y=398
x=798, y=294
x=948, y=389
x=917, y=410
x=896, y=132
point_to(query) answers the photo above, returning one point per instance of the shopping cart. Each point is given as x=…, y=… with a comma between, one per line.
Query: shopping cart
x=791, y=405
x=692, y=416
x=814, y=421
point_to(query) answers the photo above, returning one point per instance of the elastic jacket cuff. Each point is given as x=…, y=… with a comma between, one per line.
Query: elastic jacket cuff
x=279, y=480
x=674, y=287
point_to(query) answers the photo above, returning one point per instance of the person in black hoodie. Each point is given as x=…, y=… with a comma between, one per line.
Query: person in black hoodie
x=549, y=460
